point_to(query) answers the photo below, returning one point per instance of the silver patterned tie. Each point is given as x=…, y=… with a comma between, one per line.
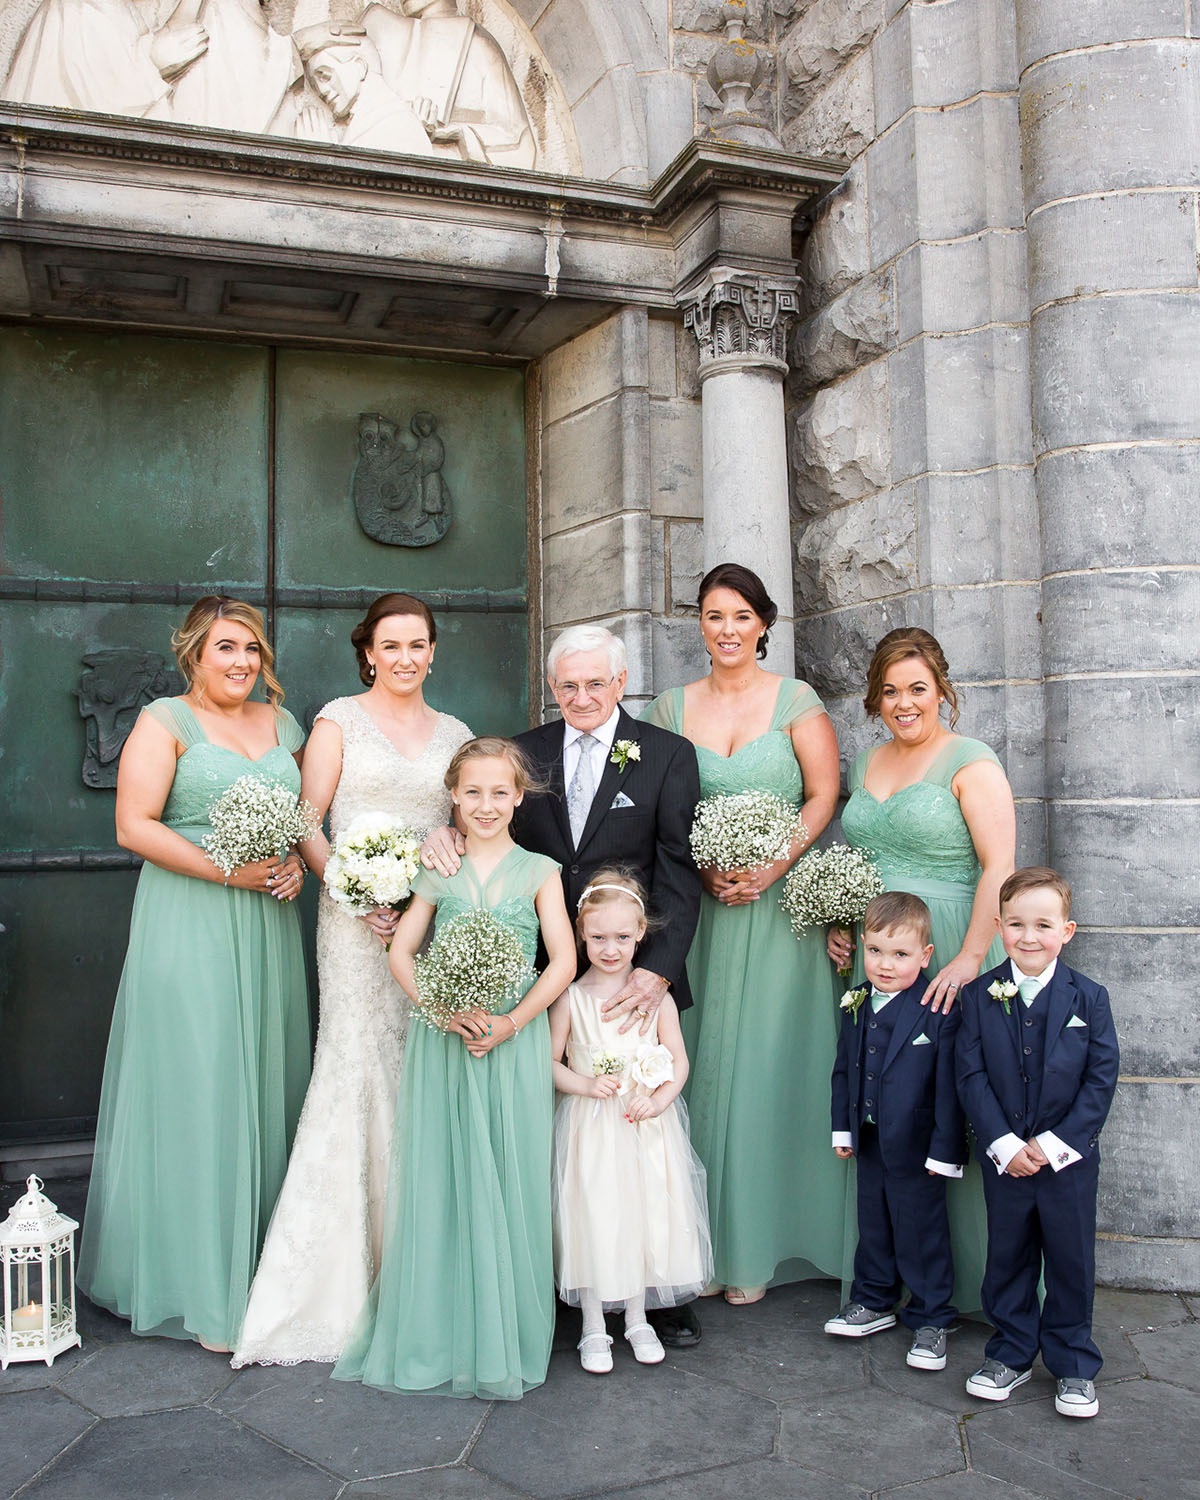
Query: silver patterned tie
x=582, y=788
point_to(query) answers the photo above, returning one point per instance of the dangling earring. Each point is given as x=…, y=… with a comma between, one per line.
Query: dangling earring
x=371, y=666
x=429, y=670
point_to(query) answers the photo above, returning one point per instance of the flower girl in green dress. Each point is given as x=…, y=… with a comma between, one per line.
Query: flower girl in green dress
x=464, y=1301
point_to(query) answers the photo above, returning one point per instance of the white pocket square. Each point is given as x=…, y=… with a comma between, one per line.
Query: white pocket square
x=922, y=1040
x=620, y=800
x=1075, y=1021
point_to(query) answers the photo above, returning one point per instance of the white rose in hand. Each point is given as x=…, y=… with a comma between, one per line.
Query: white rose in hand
x=652, y=1065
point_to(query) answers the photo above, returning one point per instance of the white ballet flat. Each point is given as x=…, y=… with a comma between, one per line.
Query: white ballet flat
x=645, y=1344
x=595, y=1353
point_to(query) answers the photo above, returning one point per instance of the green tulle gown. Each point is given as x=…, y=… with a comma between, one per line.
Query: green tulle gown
x=921, y=844
x=207, y=1064
x=464, y=1301
x=761, y=1038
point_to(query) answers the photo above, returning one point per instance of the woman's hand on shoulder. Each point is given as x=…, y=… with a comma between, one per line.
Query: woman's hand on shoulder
x=948, y=983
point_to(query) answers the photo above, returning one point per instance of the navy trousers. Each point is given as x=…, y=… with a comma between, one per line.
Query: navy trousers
x=1042, y=1227
x=903, y=1237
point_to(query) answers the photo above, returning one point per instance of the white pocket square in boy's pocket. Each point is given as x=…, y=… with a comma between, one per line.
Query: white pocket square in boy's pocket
x=922, y=1040
x=1075, y=1021
x=620, y=800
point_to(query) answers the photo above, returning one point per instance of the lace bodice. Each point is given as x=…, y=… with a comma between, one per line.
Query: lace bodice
x=918, y=832
x=377, y=778
x=205, y=770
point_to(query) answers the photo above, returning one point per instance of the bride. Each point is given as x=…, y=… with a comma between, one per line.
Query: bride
x=384, y=750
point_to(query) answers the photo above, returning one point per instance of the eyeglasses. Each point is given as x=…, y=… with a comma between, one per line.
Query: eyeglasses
x=571, y=690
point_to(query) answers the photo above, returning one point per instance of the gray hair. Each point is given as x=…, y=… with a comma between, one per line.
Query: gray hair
x=578, y=638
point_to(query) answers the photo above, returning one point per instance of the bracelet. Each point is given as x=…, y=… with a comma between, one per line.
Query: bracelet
x=515, y=1027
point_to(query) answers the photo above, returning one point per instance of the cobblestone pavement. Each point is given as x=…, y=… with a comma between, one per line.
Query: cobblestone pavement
x=767, y=1407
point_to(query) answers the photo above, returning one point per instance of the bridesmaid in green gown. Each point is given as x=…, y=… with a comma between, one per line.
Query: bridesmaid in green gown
x=208, y=1055
x=762, y=1034
x=937, y=813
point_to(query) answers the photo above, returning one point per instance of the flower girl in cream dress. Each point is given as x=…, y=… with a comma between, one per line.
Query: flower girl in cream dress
x=630, y=1221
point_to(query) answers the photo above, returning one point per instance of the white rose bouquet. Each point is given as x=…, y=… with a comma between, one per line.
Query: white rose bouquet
x=744, y=831
x=474, y=961
x=831, y=888
x=255, y=818
x=373, y=864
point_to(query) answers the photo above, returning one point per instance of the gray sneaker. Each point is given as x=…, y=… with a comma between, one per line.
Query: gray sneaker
x=1076, y=1397
x=928, y=1350
x=994, y=1381
x=855, y=1321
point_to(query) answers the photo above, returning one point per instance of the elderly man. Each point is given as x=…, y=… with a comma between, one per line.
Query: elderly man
x=620, y=793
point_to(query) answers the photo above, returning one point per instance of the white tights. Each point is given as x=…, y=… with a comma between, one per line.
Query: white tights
x=593, y=1312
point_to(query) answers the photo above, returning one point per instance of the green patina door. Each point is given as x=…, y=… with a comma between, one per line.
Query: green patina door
x=137, y=473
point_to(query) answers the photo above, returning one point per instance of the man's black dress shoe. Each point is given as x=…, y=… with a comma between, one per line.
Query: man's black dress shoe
x=677, y=1327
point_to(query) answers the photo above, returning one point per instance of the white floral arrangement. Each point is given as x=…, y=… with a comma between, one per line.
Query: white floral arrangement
x=474, y=962
x=852, y=1001
x=652, y=1065
x=373, y=864
x=254, y=818
x=830, y=888
x=744, y=831
x=1005, y=991
x=608, y=1065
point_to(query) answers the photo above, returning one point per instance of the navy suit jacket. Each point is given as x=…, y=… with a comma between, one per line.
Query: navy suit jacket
x=918, y=1110
x=1079, y=1069
x=650, y=836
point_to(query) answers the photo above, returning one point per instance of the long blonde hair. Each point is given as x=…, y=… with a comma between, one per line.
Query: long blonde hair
x=188, y=641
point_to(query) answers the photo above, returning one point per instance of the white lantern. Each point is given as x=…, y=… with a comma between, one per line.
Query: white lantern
x=37, y=1256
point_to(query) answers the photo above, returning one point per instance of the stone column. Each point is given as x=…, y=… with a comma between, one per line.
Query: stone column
x=741, y=323
x=1110, y=126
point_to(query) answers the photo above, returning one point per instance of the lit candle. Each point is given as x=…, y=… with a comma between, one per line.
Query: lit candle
x=27, y=1319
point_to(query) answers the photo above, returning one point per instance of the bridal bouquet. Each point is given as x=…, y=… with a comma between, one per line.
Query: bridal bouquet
x=256, y=818
x=830, y=888
x=745, y=831
x=473, y=961
x=372, y=864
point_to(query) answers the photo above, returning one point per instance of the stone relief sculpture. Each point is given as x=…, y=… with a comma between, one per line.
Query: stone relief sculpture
x=113, y=688
x=400, y=496
x=417, y=80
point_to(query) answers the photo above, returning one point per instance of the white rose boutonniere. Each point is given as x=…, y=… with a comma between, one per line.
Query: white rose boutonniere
x=1003, y=990
x=623, y=751
x=652, y=1065
x=852, y=1000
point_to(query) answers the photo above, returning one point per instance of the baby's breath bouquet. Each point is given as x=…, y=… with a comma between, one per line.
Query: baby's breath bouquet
x=831, y=887
x=256, y=818
x=473, y=961
x=372, y=864
x=745, y=831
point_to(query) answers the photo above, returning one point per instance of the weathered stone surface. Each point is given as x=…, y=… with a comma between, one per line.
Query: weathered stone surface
x=835, y=253
x=613, y=354
x=988, y=634
x=660, y=357
x=951, y=288
x=676, y=469
x=839, y=121
x=833, y=650
x=1118, y=242
x=1119, y=506
x=871, y=1438
x=1131, y=864
x=597, y=571
x=934, y=55
x=978, y=528
x=866, y=550
x=1045, y=29
x=821, y=42
x=838, y=442
x=942, y=1391
x=127, y=1380
x=1154, y=619
x=611, y=124
x=686, y=543
x=1008, y=716
x=1160, y=1040
x=586, y=460
x=678, y=653
x=669, y=100
x=1129, y=1261
x=37, y=1426
x=705, y=15
x=1152, y=1130
x=567, y=33
x=940, y=175
x=1098, y=730
x=432, y=1484
x=961, y=401
x=1076, y=109
x=854, y=329
x=1172, y=1354
x=765, y=1479
x=1084, y=355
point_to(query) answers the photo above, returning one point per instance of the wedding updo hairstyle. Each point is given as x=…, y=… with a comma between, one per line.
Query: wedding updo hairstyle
x=493, y=747
x=363, y=634
x=612, y=884
x=753, y=591
x=902, y=645
x=188, y=641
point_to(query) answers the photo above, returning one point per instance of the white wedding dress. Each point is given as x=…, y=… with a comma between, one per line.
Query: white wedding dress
x=324, y=1240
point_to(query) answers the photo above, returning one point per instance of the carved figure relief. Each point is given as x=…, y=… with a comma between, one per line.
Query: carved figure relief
x=400, y=496
x=114, y=687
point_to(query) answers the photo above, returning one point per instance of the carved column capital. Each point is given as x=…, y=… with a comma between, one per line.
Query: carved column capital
x=741, y=320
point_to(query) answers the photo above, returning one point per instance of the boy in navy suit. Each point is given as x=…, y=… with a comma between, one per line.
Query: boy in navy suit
x=1037, y=1067
x=895, y=1107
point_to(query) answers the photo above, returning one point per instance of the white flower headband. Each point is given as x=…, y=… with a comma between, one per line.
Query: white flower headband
x=624, y=890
